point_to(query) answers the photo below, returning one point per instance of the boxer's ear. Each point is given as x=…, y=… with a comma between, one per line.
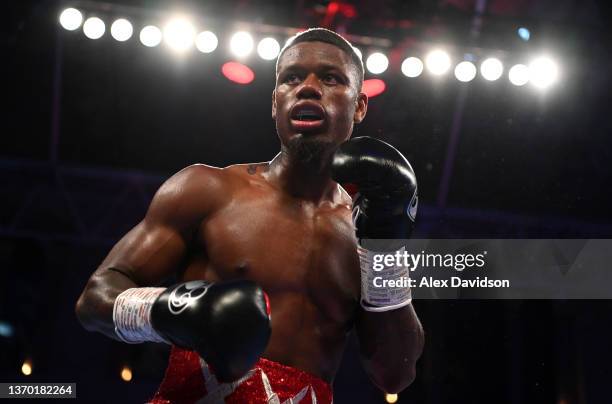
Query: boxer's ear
x=274, y=104
x=361, y=107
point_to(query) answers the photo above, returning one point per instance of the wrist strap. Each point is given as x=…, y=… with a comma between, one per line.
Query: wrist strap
x=132, y=315
x=383, y=289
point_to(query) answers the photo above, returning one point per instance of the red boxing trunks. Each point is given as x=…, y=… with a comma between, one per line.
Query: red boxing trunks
x=188, y=379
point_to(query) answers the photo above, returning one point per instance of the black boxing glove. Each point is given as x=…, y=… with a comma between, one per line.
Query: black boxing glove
x=228, y=323
x=386, y=202
x=384, y=207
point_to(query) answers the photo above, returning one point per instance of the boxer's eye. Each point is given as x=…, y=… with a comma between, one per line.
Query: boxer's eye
x=291, y=78
x=331, y=79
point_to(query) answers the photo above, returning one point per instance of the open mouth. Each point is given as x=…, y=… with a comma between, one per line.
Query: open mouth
x=307, y=117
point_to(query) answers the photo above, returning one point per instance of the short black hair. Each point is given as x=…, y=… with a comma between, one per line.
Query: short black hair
x=330, y=37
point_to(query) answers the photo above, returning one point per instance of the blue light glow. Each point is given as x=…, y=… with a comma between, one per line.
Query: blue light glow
x=6, y=330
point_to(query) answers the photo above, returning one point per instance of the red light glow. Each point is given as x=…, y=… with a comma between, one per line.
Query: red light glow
x=237, y=72
x=373, y=87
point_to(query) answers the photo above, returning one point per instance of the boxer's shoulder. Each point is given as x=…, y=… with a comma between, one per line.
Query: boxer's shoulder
x=248, y=178
x=215, y=177
x=192, y=193
x=248, y=171
x=194, y=179
x=219, y=184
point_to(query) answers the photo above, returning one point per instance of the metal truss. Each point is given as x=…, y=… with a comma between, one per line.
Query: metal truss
x=79, y=204
x=69, y=203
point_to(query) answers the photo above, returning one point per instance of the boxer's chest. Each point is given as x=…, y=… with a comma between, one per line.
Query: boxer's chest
x=287, y=247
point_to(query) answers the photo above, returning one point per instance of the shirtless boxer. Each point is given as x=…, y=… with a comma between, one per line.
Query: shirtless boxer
x=287, y=226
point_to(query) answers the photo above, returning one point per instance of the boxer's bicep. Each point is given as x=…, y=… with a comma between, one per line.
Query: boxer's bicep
x=156, y=247
x=147, y=254
x=144, y=256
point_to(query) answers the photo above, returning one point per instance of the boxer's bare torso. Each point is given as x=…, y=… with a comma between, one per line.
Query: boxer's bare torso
x=302, y=255
x=237, y=223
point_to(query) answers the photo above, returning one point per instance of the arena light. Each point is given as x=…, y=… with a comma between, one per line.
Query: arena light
x=412, y=67
x=491, y=69
x=437, y=62
x=377, y=63
x=373, y=87
x=524, y=33
x=518, y=75
x=94, y=28
x=126, y=374
x=268, y=48
x=121, y=30
x=179, y=34
x=543, y=72
x=71, y=19
x=391, y=398
x=26, y=367
x=206, y=42
x=241, y=44
x=150, y=36
x=465, y=71
x=237, y=72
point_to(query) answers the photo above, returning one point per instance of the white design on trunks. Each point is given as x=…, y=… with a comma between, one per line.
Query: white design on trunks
x=216, y=392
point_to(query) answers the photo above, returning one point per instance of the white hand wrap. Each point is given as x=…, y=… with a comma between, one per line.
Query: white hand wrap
x=132, y=315
x=383, y=297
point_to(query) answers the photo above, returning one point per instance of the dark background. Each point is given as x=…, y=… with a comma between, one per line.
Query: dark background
x=90, y=129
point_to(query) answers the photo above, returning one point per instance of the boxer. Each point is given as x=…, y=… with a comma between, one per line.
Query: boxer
x=283, y=230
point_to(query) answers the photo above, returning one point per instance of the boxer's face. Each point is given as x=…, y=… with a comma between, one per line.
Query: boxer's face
x=316, y=97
